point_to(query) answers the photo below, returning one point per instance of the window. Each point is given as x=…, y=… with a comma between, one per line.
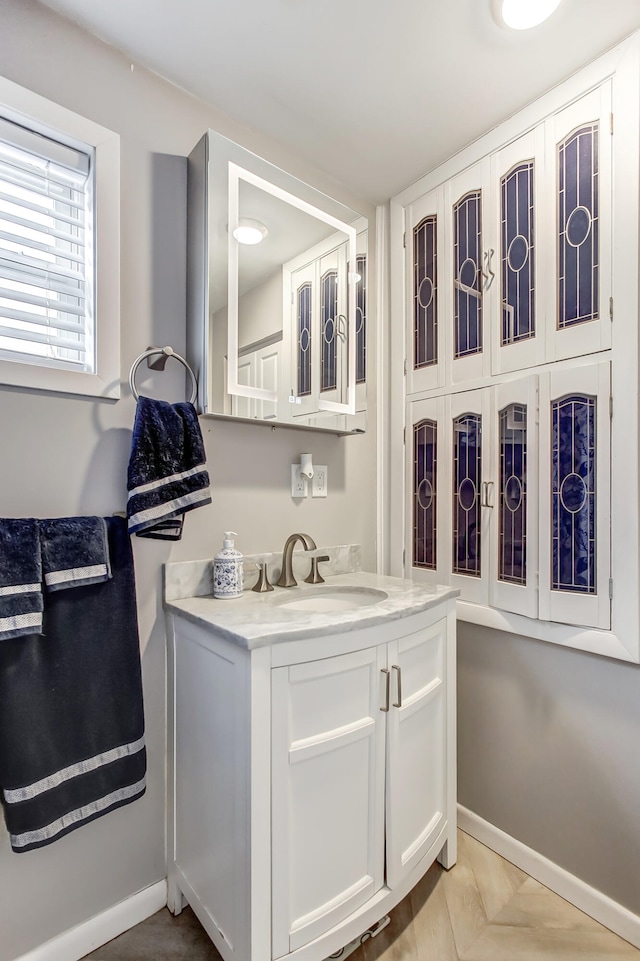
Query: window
x=59, y=248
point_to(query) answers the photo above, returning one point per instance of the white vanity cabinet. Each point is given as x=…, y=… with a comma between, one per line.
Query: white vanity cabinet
x=312, y=779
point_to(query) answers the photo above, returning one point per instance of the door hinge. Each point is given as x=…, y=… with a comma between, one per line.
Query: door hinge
x=610, y=588
x=404, y=435
x=611, y=124
x=611, y=308
x=405, y=367
x=610, y=407
x=404, y=239
x=404, y=557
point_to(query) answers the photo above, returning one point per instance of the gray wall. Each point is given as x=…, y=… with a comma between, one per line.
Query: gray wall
x=65, y=455
x=549, y=752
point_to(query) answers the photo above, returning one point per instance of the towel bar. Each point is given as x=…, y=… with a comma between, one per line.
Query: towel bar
x=168, y=352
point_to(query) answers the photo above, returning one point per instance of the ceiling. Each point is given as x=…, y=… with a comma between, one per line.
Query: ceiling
x=373, y=92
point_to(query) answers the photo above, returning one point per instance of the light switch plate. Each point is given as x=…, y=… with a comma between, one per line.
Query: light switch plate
x=319, y=481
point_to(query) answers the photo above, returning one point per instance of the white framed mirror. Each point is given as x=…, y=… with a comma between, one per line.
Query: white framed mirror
x=277, y=329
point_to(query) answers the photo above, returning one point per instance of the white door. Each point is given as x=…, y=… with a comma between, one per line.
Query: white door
x=512, y=497
x=416, y=752
x=467, y=301
x=328, y=747
x=427, y=267
x=575, y=496
x=578, y=245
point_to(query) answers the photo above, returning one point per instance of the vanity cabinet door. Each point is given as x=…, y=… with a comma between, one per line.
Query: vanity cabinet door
x=328, y=772
x=416, y=752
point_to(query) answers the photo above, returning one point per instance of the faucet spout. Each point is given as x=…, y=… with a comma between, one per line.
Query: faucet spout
x=286, y=578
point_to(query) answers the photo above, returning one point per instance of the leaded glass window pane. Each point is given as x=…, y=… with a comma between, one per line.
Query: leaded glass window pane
x=467, y=284
x=516, y=213
x=303, y=302
x=425, y=293
x=329, y=314
x=578, y=227
x=467, y=476
x=425, y=449
x=573, y=491
x=512, y=558
x=361, y=320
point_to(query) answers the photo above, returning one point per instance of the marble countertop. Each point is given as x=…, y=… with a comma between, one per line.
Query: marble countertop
x=256, y=620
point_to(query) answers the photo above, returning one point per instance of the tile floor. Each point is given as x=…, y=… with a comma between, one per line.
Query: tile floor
x=484, y=909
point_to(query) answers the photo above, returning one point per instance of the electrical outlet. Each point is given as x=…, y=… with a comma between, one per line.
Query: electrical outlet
x=319, y=481
x=299, y=484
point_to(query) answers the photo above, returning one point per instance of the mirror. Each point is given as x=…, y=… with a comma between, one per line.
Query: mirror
x=276, y=328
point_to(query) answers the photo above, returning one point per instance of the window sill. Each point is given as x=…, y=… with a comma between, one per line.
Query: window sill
x=604, y=643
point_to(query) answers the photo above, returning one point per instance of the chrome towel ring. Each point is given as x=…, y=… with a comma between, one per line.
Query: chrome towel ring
x=164, y=353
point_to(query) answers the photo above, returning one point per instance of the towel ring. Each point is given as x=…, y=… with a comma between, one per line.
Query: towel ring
x=167, y=352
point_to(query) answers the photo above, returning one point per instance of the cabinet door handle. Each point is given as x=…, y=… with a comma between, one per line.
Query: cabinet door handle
x=488, y=274
x=487, y=486
x=395, y=667
x=387, y=682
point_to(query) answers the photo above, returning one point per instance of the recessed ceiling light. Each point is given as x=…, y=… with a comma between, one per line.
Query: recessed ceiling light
x=250, y=231
x=522, y=14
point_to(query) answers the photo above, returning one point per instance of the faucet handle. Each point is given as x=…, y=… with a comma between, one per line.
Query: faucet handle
x=315, y=577
x=262, y=585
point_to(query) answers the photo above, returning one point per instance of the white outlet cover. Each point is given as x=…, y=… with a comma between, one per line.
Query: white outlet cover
x=319, y=481
x=299, y=484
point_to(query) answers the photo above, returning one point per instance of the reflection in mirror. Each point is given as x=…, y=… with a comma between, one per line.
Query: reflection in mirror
x=277, y=329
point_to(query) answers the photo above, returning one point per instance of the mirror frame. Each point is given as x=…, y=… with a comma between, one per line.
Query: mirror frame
x=212, y=155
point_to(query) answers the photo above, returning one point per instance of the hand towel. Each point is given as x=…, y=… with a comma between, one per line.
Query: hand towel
x=21, y=599
x=71, y=710
x=167, y=474
x=74, y=552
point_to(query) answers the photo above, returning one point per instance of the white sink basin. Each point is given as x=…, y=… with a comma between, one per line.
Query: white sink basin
x=330, y=599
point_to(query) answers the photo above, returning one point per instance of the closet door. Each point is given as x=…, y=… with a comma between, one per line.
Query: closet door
x=427, y=549
x=517, y=269
x=575, y=498
x=578, y=241
x=513, y=498
x=427, y=259
x=469, y=294
x=469, y=423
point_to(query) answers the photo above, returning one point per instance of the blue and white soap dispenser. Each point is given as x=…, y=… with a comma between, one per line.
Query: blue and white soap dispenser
x=228, y=570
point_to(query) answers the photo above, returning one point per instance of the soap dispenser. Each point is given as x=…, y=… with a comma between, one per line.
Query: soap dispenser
x=228, y=570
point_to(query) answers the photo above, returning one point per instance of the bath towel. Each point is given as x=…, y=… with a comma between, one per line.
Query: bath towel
x=167, y=474
x=21, y=599
x=74, y=552
x=71, y=711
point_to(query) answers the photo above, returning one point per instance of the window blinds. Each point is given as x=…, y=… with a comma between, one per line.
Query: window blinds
x=46, y=250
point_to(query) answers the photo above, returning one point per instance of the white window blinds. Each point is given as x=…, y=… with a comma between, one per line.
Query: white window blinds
x=46, y=251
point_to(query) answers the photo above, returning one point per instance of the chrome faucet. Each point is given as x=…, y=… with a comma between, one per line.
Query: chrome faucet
x=286, y=578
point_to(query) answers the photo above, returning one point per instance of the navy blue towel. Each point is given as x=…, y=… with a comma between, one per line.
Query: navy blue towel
x=167, y=474
x=71, y=710
x=75, y=552
x=21, y=600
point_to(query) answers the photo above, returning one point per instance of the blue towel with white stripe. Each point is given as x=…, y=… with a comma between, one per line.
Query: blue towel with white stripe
x=21, y=601
x=71, y=711
x=167, y=475
x=74, y=552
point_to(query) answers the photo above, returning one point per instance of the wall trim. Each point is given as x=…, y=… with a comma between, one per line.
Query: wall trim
x=86, y=937
x=597, y=905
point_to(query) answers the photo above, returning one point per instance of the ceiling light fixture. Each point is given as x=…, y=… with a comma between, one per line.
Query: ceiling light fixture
x=522, y=14
x=250, y=231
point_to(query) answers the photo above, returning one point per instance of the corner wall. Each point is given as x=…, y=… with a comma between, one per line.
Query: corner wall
x=549, y=752
x=63, y=455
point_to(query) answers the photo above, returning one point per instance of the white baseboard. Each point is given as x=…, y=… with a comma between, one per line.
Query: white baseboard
x=597, y=905
x=92, y=934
